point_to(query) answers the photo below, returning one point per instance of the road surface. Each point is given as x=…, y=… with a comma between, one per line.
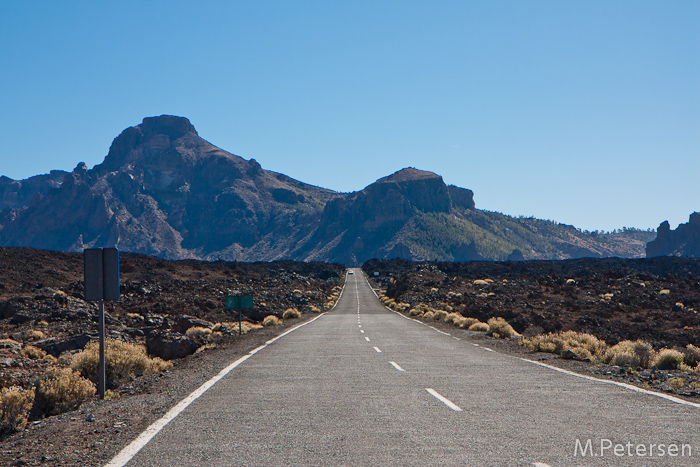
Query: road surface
x=364, y=386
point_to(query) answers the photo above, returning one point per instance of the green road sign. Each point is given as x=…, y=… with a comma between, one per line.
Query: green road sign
x=237, y=302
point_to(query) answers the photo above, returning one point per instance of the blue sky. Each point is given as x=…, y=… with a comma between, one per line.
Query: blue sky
x=583, y=112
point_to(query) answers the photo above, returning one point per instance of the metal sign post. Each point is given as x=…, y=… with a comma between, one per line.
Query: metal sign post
x=101, y=279
x=239, y=302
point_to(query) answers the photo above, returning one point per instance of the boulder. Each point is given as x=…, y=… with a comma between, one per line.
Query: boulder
x=184, y=322
x=168, y=345
x=57, y=347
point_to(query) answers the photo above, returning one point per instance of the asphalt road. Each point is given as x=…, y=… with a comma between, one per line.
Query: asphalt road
x=363, y=386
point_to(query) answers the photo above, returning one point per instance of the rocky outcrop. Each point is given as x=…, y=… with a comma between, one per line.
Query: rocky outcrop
x=17, y=194
x=683, y=241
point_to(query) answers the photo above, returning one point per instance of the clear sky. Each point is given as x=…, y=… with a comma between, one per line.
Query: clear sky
x=583, y=112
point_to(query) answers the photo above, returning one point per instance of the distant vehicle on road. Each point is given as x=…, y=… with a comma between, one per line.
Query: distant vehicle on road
x=351, y=272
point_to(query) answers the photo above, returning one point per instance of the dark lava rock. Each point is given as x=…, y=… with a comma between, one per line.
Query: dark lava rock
x=168, y=345
x=57, y=347
x=184, y=322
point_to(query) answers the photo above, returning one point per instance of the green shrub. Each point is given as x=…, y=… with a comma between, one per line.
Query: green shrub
x=62, y=391
x=271, y=320
x=500, y=329
x=479, y=327
x=122, y=361
x=668, y=359
x=291, y=313
x=15, y=404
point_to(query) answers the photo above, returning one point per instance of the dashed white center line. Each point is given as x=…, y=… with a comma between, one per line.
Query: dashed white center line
x=396, y=365
x=488, y=350
x=377, y=349
x=362, y=331
x=367, y=338
x=443, y=399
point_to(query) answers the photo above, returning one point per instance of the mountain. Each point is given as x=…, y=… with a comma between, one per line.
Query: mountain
x=162, y=190
x=683, y=241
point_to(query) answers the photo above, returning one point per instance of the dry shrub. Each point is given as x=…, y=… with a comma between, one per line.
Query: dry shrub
x=633, y=353
x=31, y=352
x=314, y=309
x=291, y=313
x=428, y=315
x=15, y=404
x=62, y=391
x=122, y=361
x=465, y=323
x=271, y=320
x=33, y=335
x=569, y=344
x=479, y=327
x=668, y=359
x=439, y=315
x=415, y=312
x=404, y=306
x=451, y=317
x=691, y=356
x=232, y=327
x=500, y=329
x=198, y=333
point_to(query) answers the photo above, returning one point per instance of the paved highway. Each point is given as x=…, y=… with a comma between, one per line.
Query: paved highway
x=363, y=386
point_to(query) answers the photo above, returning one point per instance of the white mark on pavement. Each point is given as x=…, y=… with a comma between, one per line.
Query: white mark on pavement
x=443, y=399
x=615, y=383
x=396, y=365
x=362, y=331
x=539, y=464
x=367, y=338
x=488, y=350
x=377, y=349
x=126, y=454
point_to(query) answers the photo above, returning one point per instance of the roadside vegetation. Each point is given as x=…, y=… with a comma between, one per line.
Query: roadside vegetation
x=498, y=328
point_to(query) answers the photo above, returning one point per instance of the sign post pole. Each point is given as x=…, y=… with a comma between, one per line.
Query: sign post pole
x=101, y=330
x=101, y=279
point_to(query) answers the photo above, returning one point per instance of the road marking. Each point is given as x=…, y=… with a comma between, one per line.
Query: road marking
x=539, y=464
x=377, y=349
x=488, y=350
x=128, y=453
x=615, y=383
x=396, y=365
x=443, y=399
x=367, y=338
x=476, y=345
x=362, y=331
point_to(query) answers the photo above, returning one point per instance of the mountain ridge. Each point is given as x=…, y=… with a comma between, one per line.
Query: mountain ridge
x=163, y=190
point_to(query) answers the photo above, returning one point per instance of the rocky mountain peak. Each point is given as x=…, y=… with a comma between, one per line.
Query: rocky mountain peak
x=409, y=174
x=153, y=132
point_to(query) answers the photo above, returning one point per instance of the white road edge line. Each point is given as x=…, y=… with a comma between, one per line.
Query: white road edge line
x=444, y=400
x=128, y=453
x=362, y=331
x=615, y=383
x=367, y=338
x=378, y=350
x=396, y=365
x=591, y=378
